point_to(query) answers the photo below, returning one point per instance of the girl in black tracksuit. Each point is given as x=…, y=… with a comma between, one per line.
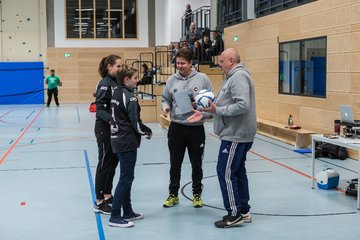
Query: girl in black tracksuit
x=126, y=131
x=105, y=170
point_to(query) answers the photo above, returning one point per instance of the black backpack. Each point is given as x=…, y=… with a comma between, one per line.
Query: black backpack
x=332, y=151
x=351, y=189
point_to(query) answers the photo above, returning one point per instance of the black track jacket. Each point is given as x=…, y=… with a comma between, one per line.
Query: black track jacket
x=126, y=125
x=103, y=98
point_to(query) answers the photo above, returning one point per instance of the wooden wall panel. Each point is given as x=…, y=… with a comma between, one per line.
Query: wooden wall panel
x=355, y=13
x=338, y=62
x=355, y=62
x=355, y=41
x=266, y=79
x=339, y=20
x=216, y=81
x=355, y=82
x=288, y=27
x=338, y=82
x=340, y=43
x=79, y=72
x=148, y=110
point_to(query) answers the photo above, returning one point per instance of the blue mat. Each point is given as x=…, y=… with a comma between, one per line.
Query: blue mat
x=303, y=150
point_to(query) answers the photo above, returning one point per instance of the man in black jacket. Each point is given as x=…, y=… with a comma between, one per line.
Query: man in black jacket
x=216, y=48
x=193, y=35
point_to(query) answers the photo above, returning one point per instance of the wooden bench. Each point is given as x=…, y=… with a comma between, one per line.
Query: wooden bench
x=300, y=138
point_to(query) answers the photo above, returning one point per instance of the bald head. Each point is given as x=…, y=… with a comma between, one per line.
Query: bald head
x=229, y=58
x=233, y=54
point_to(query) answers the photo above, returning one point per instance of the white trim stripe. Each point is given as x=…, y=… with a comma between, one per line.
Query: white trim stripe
x=229, y=186
x=124, y=99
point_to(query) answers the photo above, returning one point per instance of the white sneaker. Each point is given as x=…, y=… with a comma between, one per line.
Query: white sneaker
x=247, y=217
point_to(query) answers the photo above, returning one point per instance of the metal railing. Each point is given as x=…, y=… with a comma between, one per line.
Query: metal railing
x=200, y=16
x=205, y=53
x=146, y=84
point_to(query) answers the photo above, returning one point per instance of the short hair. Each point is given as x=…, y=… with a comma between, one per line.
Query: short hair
x=185, y=53
x=124, y=72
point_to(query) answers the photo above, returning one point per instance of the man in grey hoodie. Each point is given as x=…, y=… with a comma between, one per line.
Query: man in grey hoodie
x=179, y=92
x=234, y=116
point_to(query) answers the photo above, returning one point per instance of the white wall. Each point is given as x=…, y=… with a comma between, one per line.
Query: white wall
x=162, y=13
x=60, y=36
x=168, y=24
x=23, y=30
x=168, y=18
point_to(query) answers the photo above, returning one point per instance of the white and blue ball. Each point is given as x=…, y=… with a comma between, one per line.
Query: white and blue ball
x=202, y=99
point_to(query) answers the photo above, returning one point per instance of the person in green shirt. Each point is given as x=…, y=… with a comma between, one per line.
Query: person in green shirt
x=53, y=82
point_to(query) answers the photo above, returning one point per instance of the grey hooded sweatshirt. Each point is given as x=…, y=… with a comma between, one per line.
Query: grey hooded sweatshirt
x=192, y=85
x=235, y=117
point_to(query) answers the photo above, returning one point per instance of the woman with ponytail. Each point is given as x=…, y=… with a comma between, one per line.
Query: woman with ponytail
x=107, y=164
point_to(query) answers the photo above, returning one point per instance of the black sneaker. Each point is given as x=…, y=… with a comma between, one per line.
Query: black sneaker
x=102, y=208
x=229, y=221
x=109, y=201
x=133, y=216
x=120, y=222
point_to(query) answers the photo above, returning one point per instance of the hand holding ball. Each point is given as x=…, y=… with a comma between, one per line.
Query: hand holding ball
x=203, y=98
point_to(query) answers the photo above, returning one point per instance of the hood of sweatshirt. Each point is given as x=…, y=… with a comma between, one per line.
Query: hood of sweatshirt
x=235, y=69
x=181, y=77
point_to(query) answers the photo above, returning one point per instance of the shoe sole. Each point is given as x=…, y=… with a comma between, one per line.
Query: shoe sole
x=166, y=206
x=99, y=211
x=247, y=220
x=130, y=224
x=135, y=218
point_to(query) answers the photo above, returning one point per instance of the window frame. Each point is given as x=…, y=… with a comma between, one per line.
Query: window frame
x=230, y=17
x=109, y=36
x=266, y=7
x=301, y=56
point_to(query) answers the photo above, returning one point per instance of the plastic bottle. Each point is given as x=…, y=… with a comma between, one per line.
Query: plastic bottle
x=290, y=120
x=337, y=127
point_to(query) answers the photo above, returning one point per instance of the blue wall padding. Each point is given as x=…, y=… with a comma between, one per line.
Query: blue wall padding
x=21, y=83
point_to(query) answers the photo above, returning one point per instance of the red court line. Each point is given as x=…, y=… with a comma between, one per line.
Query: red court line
x=282, y=165
x=19, y=138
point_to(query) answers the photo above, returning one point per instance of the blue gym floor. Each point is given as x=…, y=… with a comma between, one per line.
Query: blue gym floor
x=48, y=158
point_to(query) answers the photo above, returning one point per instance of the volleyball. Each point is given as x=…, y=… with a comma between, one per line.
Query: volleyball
x=202, y=99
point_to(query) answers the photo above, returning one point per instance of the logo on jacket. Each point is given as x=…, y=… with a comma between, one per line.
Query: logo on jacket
x=195, y=89
x=133, y=99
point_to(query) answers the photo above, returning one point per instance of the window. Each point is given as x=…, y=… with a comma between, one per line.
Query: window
x=229, y=12
x=302, y=67
x=266, y=7
x=101, y=19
